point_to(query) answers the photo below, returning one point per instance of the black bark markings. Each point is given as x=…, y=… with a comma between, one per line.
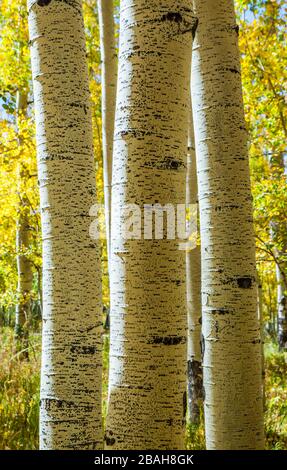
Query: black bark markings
x=245, y=282
x=233, y=70
x=43, y=3
x=172, y=16
x=256, y=341
x=110, y=441
x=173, y=164
x=167, y=340
x=177, y=18
x=83, y=349
x=236, y=29
x=48, y=403
x=219, y=311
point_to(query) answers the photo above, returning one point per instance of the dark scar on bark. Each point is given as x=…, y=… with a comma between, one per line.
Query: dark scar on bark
x=83, y=349
x=110, y=441
x=177, y=18
x=233, y=70
x=172, y=16
x=219, y=311
x=244, y=282
x=236, y=29
x=43, y=3
x=167, y=340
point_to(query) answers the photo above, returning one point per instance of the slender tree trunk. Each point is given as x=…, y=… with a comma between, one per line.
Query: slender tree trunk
x=193, y=289
x=147, y=382
x=261, y=321
x=70, y=415
x=24, y=267
x=25, y=279
x=282, y=305
x=277, y=166
x=109, y=82
x=231, y=332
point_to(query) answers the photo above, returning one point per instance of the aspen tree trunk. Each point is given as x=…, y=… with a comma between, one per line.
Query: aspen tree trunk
x=278, y=167
x=261, y=322
x=231, y=332
x=109, y=82
x=282, y=305
x=193, y=289
x=147, y=382
x=24, y=267
x=70, y=415
x=25, y=279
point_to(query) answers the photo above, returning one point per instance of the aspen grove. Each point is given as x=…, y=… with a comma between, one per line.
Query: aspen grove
x=143, y=266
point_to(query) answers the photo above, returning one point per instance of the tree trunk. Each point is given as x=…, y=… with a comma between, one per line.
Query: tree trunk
x=25, y=279
x=24, y=267
x=70, y=414
x=147, y=381
x=109, y=83
x=261, y=322
x=193, y=289
x=282, y=305
x=231, y=332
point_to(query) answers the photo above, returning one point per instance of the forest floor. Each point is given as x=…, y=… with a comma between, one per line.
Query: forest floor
x=19, y=396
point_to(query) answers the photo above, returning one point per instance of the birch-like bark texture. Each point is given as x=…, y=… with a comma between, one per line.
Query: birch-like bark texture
x=193, y=289
x=70, y=415
x=24, y=267
x=108, y=82
x=231, y=332
x=147, y=381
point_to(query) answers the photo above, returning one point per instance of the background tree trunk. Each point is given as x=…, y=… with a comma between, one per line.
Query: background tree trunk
x=70, y=415
x=261, y=322
x=231, y=331
x=109, y=83
x=24, y=267
x=193, y=289
x=278, y=233
x=282, y=304
x=147, y=381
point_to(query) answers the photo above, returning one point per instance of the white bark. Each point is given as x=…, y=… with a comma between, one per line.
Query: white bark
x=70, y=415
x=193, y=289
x=231, y=332
x=147, y=379
x=108, y=82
